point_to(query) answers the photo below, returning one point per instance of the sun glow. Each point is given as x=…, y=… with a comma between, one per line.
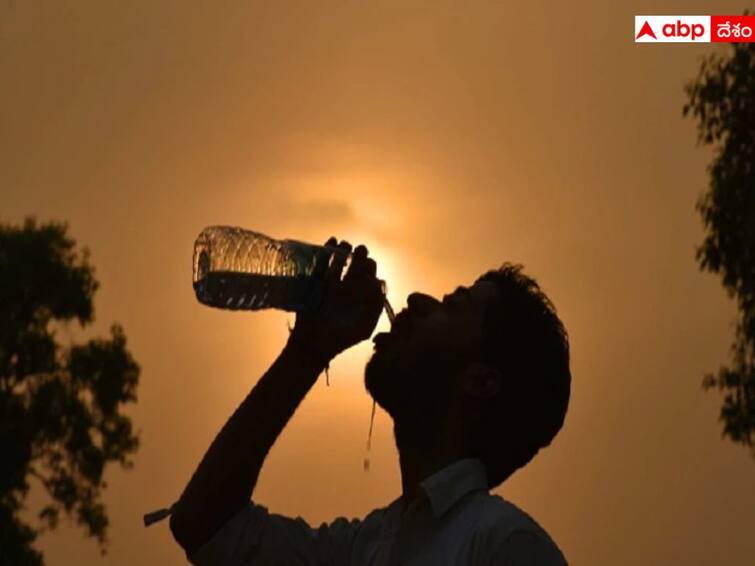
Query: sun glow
x=390, y=268
x=368, y=207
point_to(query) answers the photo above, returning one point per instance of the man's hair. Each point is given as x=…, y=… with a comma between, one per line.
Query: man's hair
x=525, y=340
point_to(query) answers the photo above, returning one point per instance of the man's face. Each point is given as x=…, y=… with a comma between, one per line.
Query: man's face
x=429, y=343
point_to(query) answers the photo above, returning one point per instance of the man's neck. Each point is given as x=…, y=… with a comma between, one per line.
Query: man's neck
x=423, y=454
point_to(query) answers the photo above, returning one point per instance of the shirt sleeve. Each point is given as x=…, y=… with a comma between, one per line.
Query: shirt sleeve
x=255, y=537
x=527, y=548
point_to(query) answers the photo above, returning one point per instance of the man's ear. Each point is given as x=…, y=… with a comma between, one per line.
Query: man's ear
x=480, y=381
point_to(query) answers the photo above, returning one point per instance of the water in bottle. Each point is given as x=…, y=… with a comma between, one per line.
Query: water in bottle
x=235, y=268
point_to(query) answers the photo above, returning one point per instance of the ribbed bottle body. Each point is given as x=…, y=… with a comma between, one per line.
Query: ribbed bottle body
x=237, y=269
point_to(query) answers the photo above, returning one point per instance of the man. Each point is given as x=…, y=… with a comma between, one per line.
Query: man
x=476, y=384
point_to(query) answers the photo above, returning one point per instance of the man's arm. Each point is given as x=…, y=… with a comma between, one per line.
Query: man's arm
x=225, y=479
x=226, y=476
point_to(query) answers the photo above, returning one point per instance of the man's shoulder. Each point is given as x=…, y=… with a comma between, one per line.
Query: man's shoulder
x=504, y=524
x=375, y=519
x=500, y=512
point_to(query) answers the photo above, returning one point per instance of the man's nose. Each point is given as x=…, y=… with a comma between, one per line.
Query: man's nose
x=421, y=304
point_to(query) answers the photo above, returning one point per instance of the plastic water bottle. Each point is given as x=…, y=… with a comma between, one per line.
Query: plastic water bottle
x=236, y=269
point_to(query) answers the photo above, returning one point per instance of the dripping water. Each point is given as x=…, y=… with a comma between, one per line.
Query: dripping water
x=391, y=317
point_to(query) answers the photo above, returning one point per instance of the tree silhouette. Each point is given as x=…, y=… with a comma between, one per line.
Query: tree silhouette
x=722, y=100
x=60, y=419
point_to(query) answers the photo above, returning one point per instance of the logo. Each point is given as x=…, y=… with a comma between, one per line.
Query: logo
x=646, y=30
x=671, y=29
x=693, y=29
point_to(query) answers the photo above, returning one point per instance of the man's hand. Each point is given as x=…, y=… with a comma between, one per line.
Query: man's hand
x=350, y=308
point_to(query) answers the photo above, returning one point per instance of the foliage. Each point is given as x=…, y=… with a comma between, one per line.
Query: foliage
x=722, y=101
x=60, y=404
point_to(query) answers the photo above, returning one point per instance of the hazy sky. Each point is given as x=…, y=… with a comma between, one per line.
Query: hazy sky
x=449, y=137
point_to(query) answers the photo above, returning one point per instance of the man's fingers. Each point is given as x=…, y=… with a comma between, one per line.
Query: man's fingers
x=337, y=261
x=370, y=268
x=361, y=264
x=324, y=258
x=361, y=252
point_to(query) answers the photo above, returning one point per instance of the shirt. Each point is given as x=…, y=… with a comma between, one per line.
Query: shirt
x=454, y=521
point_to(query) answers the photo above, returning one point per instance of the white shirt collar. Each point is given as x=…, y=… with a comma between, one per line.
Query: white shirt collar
x=447, y=486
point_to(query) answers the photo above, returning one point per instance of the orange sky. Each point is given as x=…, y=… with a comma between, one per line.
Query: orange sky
x=449, y=138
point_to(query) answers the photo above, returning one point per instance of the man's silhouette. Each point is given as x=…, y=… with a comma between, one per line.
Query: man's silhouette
x=476, y=384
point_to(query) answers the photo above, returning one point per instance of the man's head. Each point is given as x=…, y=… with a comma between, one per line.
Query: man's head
x=493, y=356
